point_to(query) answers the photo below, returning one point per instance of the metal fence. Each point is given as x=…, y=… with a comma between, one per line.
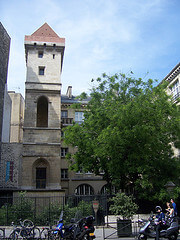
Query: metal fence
x=47, y=209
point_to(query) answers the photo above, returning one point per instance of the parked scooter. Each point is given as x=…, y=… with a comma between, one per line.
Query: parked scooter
x=169, y=230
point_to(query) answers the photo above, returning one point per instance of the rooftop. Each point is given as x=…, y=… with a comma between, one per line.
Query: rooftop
x=45, y=34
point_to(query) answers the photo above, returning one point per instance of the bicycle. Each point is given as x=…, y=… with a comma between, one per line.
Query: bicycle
x=26, y=230
x=2, y=233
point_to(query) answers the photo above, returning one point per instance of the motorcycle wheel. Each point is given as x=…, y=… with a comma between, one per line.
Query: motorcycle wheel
x=173, y=236
x=142, y=237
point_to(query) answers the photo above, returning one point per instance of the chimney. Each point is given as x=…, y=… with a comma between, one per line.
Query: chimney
x=69, y=92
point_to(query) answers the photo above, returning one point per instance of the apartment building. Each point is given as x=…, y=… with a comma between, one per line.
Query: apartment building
x=173, y=88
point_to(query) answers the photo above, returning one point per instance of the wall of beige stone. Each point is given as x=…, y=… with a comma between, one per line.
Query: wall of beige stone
x=41, y=150
x=31, y=108
x=17, y=117
x=52, y=65
x=6, y=117
x=42, y=199
x=42, y=135
x=53, y=170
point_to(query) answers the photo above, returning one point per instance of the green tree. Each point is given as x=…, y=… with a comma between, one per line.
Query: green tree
x=127, y=133
x=123, y=205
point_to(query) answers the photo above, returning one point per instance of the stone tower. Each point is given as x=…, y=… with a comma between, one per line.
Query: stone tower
x=41, y=161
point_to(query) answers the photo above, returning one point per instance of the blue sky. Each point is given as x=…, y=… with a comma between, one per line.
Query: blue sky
x=109, y=36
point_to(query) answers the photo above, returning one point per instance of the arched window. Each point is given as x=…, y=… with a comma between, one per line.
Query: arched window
x=105, y=190
x=41, y=177
x=41, y=173
x=84, y=189
x=42, y=112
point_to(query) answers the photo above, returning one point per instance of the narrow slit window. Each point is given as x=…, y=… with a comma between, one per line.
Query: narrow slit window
x=42, y=112
x=40, y=177
x=40, y=54
x=41, y=71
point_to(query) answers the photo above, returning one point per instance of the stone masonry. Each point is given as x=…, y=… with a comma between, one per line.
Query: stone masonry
x=4, y=58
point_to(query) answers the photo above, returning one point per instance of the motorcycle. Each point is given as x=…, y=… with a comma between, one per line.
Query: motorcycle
x=68, y=230
x=80, y=230
x=53, y=233
x=85, y=228
x=170, y=229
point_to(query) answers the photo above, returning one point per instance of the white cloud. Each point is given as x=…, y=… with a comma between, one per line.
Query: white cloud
x=101, y=36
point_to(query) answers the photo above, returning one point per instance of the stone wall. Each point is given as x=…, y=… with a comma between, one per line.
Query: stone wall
x=17, y=117
x=5, y=138
x=10, y=165
x=4, y=53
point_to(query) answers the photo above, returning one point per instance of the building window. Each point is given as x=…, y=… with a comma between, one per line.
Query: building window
x=64, y=173
x=62, y=134
x=105, y=190
x=64, y=151
x=40, y=54
x=64, y=114
x=83, y=172
x=42, y=112
x=40, y=177
x=41, y=70
x=79, y=117
x=9, y=171
x=175, y=89
x=84, y=189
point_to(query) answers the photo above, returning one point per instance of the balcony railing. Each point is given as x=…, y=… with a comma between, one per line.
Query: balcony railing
x=66, y=120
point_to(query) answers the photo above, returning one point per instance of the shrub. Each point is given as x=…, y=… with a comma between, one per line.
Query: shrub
x=123, y=205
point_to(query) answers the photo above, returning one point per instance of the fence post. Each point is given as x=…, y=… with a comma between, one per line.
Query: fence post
x=49, y=210
x=6, y=213
x=107, y=209
x=35, y=210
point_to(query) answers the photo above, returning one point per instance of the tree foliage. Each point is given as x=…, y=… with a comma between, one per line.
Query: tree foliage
x=127, y=132
x=123, y=205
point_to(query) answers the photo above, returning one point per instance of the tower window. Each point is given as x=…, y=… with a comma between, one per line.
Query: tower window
x=41, y=70
x=42, y=112
x=40, y=177
x=40, y=54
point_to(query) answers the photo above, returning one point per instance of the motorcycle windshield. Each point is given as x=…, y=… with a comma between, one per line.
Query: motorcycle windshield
x=61, y=217
x=145, y=226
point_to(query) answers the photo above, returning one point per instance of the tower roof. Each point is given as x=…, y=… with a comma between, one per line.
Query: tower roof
x=45, y=34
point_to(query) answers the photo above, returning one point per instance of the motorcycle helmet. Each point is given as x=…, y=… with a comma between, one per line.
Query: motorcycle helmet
x=158, y=208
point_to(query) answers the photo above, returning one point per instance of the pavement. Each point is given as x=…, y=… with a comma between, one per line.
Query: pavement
x=101, y=233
